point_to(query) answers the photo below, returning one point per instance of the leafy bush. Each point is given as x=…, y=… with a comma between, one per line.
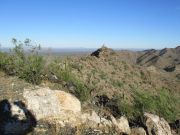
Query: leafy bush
x=163, y=104
x=3, y=58
x=26, y=66
x=33, y=69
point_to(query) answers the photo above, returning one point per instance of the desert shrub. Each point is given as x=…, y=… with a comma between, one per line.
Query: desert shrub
x=3, y=60
x=33, y=69
x=63, y=71
x=76, y=66
x=163, y=104
x=120, y=106
x=103, y=75
x=23, y=61
x=82, y=91
x=117, y=83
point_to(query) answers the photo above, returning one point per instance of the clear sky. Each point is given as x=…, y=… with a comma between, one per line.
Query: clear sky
x=91, y=23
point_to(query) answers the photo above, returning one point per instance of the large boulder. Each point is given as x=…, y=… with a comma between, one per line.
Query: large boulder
x=45, y=102
x=62, y=108
x=156, y=125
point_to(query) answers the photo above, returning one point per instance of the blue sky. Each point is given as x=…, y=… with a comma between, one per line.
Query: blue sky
x=91, y=23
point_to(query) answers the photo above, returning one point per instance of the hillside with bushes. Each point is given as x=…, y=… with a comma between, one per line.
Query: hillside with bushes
x=106, y=81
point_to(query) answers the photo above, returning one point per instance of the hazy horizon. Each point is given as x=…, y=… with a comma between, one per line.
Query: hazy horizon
x=91, y=23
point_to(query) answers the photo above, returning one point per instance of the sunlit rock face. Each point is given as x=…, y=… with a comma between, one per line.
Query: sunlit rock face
x=44, y=102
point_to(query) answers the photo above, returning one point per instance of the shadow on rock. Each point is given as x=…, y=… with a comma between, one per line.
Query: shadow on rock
x=15, y=118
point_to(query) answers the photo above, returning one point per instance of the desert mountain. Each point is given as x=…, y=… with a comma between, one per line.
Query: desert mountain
x=167, y=58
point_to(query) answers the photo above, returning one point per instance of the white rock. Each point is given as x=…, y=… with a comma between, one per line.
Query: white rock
x=45, y=102
x=156, y=125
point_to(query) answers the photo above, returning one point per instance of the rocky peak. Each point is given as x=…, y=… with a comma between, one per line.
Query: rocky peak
x=102, y=52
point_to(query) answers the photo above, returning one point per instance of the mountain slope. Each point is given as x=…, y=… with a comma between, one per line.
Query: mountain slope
x=167, y=58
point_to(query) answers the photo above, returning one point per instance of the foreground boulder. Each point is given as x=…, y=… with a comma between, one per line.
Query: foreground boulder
x=44, y=102
x=156, y=125
x=55, y=106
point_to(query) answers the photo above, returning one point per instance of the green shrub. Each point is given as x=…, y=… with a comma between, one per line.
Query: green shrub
x=26, y=66
x=163, y=104
x=82, y=91
x=119, y=106
x=3, y=60
x=61, y=69
x=33, y=69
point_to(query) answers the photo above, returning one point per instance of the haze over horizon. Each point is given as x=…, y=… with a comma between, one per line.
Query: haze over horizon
x=91, y=23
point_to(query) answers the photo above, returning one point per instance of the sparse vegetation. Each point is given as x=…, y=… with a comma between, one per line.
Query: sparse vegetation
x=117, y=83
x=63, y=71
x=103, y=75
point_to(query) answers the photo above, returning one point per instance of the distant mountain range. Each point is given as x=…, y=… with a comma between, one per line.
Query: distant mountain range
x=73, y=50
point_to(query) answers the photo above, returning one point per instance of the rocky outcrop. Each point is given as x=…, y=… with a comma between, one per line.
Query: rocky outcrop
x=44, y=102
x=103, y=52
x=62, y=108
x=156, y=125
